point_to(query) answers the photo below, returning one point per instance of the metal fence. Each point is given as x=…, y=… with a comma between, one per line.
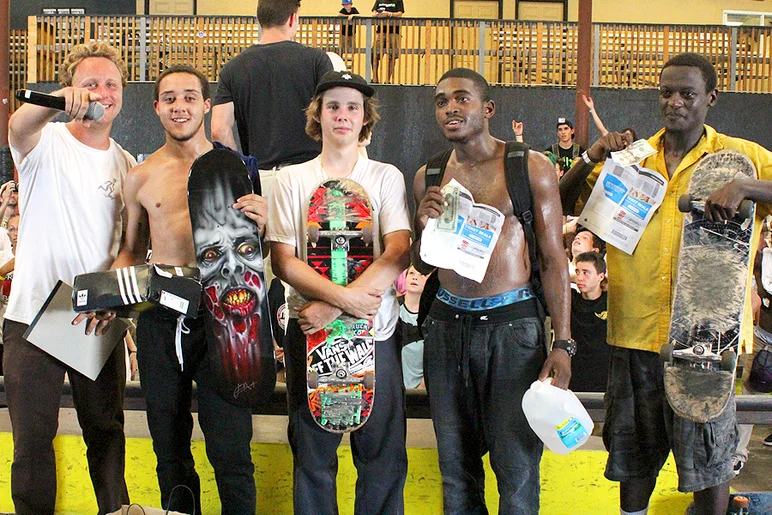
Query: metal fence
x=506, y=52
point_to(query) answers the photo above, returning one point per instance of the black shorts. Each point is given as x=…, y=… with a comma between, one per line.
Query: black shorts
x=641, y=429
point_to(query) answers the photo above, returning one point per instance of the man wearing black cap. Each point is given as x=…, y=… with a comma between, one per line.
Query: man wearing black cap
x=565, y=149
x=342, y=114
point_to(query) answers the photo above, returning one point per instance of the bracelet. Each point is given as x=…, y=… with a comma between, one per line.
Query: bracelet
x=592, y=111
x=587, y=159
x=132, y=352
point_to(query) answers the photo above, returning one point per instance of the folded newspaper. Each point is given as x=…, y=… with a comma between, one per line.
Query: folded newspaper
x=621, y=204
x=465, y=248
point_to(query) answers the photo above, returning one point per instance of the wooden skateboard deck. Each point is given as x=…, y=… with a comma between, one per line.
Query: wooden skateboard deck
x=229, y=255
x=341, y=357
x=709, y=296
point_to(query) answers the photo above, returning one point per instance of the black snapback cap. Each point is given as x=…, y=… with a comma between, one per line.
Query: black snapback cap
x=344, y=79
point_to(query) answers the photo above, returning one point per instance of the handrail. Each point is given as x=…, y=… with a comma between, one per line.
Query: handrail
x=751, y=409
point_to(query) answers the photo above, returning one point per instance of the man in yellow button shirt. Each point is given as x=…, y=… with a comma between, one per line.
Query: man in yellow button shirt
x=640, y=427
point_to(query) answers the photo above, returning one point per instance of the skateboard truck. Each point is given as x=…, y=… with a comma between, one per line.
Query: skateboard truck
x=686, y=204
x=339, y=245
x=707, y=359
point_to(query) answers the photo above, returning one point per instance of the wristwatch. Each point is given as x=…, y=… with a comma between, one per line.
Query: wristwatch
x=586, y=158
x=567, y=345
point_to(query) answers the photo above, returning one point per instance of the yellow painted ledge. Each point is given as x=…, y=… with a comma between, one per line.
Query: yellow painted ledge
x=572, y=484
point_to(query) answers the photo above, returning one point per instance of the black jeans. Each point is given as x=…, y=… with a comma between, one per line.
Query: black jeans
x=227, y=428
x=378, y=447
x=33, y=388
x=478, y=365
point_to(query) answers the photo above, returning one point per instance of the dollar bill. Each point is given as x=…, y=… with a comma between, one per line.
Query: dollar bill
x=447, y=221
x=633, y=154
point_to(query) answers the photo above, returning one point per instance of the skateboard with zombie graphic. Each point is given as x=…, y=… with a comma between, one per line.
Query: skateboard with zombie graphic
x=709, y=295
x=230, y=258
x=341, y=357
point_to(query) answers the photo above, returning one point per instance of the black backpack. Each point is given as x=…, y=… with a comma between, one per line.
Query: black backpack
x=516, y=172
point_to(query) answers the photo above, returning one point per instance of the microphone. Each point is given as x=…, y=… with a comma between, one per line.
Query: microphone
x=95, y=111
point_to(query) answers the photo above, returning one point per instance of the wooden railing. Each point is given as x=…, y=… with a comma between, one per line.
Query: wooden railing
x=504, y=51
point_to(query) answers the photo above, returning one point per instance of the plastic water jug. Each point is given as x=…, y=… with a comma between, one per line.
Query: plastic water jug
x=557, y=417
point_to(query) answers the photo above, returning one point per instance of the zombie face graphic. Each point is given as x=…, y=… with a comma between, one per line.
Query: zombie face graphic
x=231, y=264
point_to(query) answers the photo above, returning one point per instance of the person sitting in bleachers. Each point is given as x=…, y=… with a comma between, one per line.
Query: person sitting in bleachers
x=412, y=341
x=584, y=241
x=588, y=325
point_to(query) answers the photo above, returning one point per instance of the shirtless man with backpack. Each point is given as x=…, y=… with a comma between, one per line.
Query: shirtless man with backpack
x=480, y=363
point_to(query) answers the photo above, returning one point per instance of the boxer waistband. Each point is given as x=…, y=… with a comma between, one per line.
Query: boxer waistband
x=485, y=303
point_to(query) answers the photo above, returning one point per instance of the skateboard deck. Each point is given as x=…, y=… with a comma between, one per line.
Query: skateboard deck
x=229, y=255
x=341, y=357
x=709, y=296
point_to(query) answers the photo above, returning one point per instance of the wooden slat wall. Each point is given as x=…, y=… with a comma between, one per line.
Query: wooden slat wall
x=17, y=64
x=515, y=52
x=753, y=60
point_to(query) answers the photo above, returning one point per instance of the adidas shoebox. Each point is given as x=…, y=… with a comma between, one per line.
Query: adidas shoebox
x=133, y=289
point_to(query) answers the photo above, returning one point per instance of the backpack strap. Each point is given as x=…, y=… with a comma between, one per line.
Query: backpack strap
x=576, y=150
x=519, y=187
x=435, y=168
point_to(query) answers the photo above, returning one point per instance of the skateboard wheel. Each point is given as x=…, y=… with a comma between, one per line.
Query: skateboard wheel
x=369, y=381
x=666, y=353
x=313, y=234
x=313, y=379
x=745, y=209
x=728, y=360
x=685, y=203
x=367, y=234
x=740, y=501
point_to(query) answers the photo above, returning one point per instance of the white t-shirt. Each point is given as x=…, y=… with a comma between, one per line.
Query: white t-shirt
x=70, y=203
x=288, y=210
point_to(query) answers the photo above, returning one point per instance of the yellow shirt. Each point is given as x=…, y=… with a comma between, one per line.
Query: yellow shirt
x=641, y=285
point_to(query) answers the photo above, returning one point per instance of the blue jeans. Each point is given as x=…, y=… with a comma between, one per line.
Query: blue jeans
x=478, y=365
x=227, y=429
x=378, y=447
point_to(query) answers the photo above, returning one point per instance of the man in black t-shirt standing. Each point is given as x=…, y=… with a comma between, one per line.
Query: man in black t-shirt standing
x=387, y=38
x=565, y=149
x=265, y=91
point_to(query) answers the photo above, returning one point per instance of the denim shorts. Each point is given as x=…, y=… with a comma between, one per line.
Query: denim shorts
x=641, y=429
